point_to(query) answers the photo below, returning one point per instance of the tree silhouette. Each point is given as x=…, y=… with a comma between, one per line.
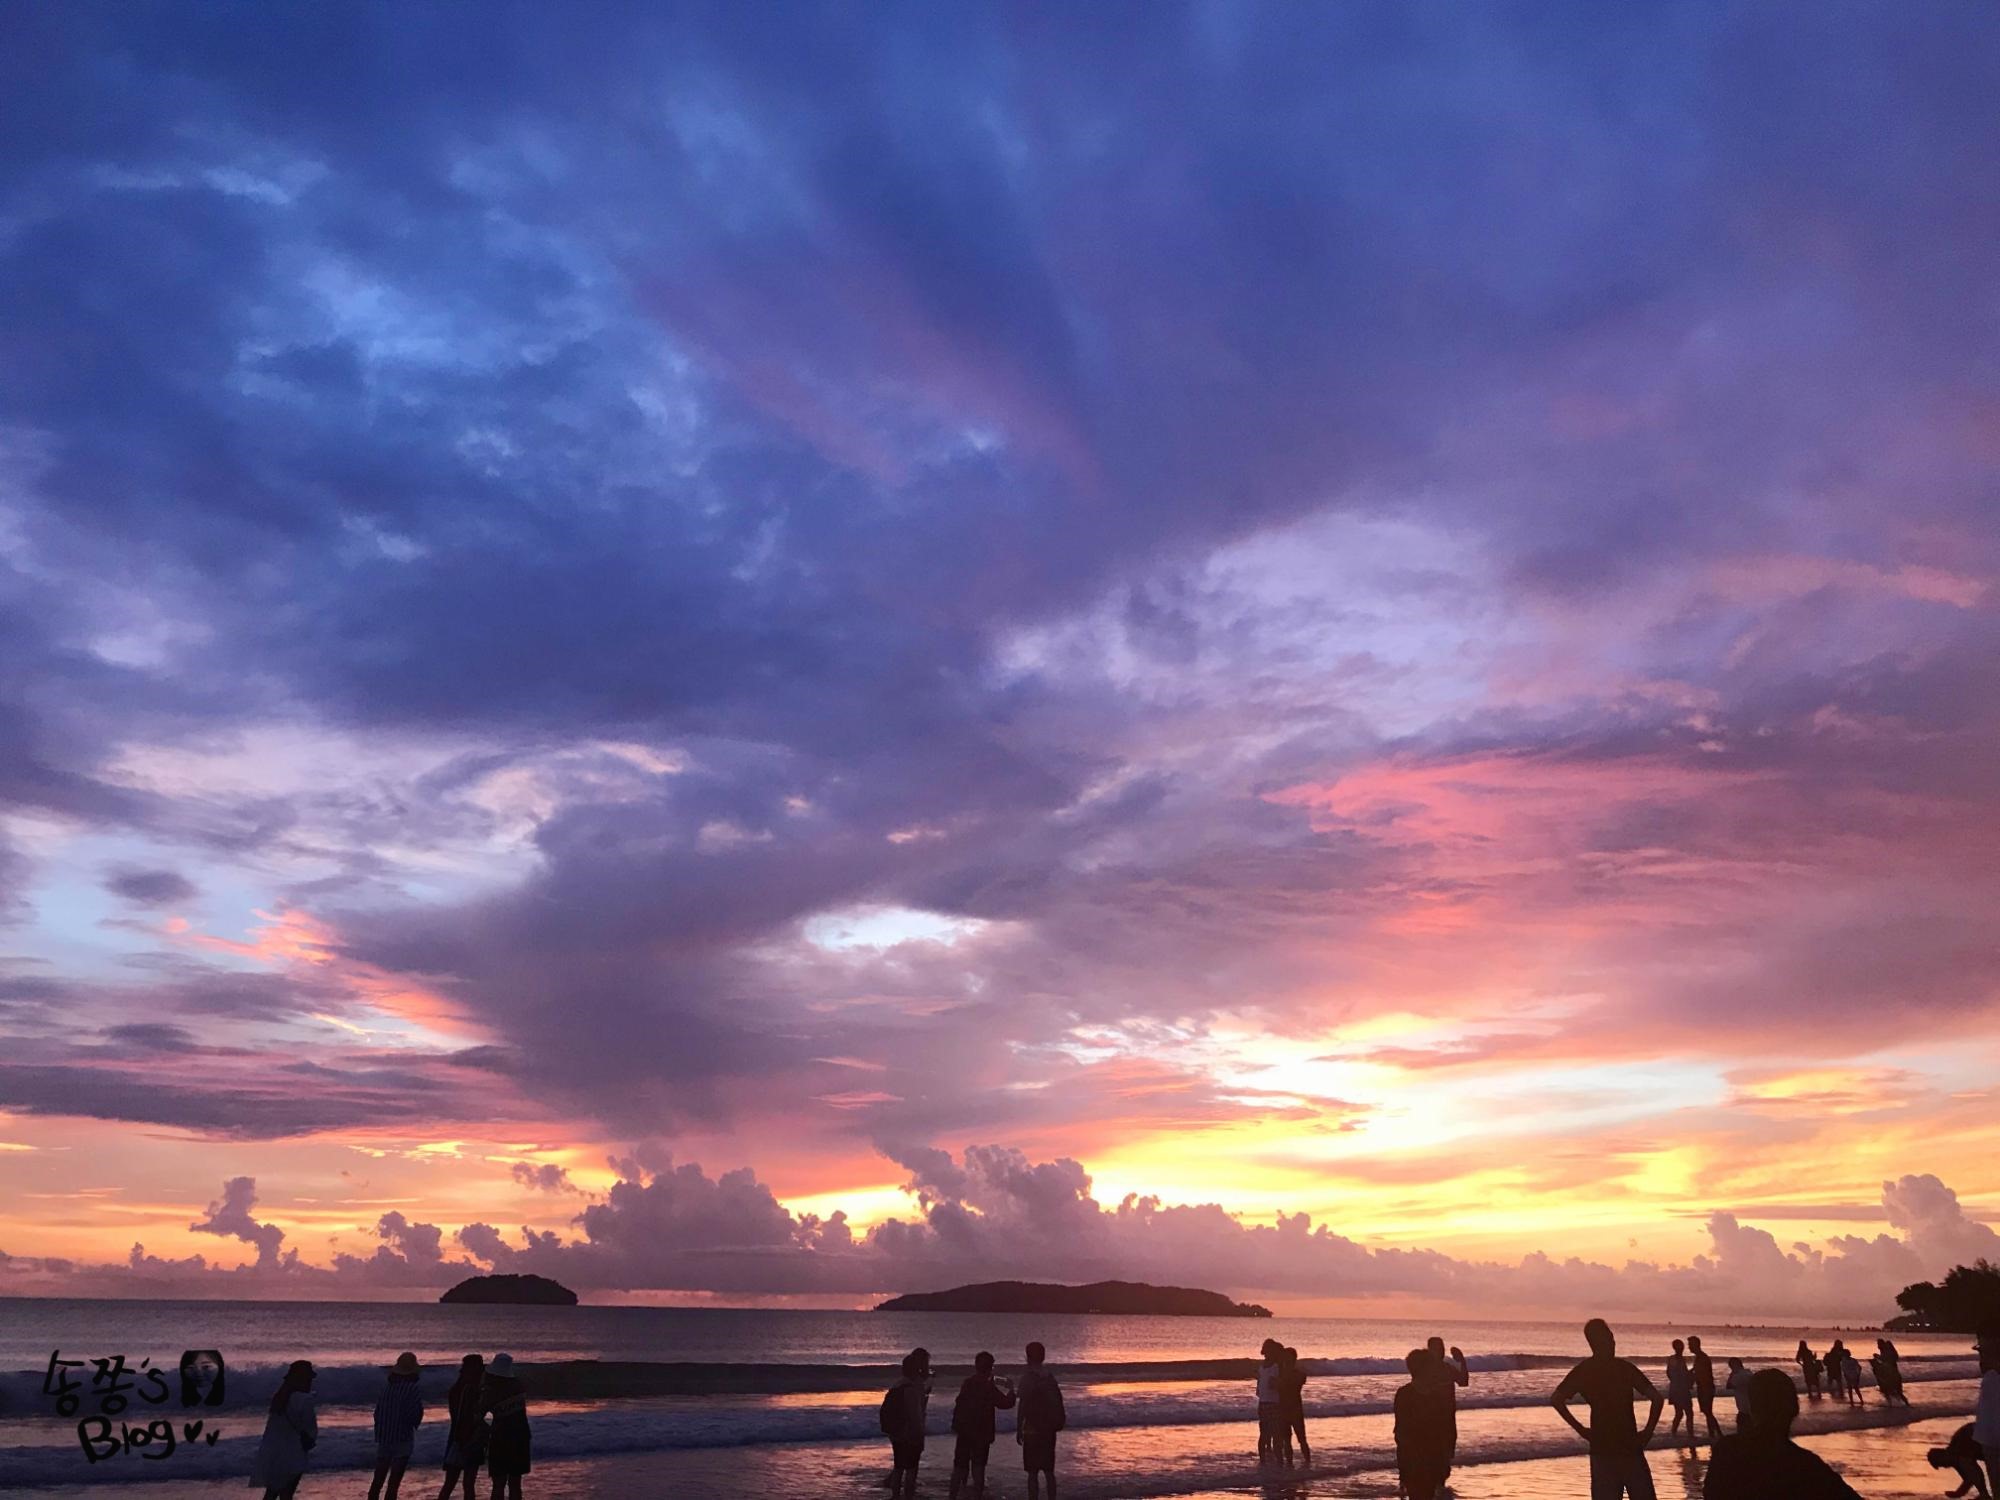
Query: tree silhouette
x=1968, y=1297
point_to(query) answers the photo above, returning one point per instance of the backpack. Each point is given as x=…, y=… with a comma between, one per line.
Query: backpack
x=1041, y=1406
x=892, y=1423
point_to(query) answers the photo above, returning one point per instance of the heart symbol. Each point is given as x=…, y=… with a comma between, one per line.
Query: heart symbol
x=192, y=1430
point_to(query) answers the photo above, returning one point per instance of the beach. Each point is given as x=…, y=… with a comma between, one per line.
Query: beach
x=717, y=1402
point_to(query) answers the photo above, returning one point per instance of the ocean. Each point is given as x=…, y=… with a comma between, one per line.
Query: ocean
x=720, y=1402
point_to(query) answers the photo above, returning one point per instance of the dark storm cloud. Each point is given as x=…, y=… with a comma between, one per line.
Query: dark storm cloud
x=150, y=887
x=736, y=381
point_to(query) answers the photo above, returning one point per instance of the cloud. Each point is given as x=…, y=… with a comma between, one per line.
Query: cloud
x=150, y=887
x=1251, y=552
x=229, y=1216
x=994, y=1213
x=544, y=1177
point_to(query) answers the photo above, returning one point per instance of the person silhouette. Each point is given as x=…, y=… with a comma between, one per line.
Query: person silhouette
x=399, y=1410
x=1449, y=1372
x=1738, y=1386
x=290, y=1430
x=1961, y=1455
x=1680, y=1391
x=1608, y=1384
x=510, y=1447
x=1292, y=1398
x=1267, y=1399
x=1836, y=1369
x=465, y=1436
x=1762, y=1461
x=1038, y=1417
x=1423, y=1432
x=920, y=1357
x=1704, y=1385
x=1986, y=1418
x=973, y=1425
x=1808, y=1363
x=904, y=1410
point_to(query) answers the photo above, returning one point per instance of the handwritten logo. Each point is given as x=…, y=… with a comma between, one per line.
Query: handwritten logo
x=113, y=1385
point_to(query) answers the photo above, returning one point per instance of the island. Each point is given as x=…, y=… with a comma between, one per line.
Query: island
x=1120, y=1297
x=512, y=1291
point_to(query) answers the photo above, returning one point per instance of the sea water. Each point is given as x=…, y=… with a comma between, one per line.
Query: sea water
x=723, y=1402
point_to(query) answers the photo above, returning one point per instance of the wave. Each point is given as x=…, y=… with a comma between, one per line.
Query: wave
x=607, y=1432
x=250, y=1386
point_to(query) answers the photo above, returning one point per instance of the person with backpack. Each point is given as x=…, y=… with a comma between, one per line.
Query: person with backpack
x=972, y=1420
x=1039, y=1416
x=904, y=1409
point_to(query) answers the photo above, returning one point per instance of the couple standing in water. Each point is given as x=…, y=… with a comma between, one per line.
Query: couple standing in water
x=1427, y=1419
x=1281, y=1405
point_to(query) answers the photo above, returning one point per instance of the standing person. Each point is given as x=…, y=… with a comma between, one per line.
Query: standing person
x=1038, y=1417
x=1680, y=1391
x=1450, y=1373
x=1422, y=1437
x=1608, y=1384
x=1889, y=1372
x=1292, y=1396
x=972, y=1420
x=290, y=1431
x=1986, y=1416
x=1836, y=1369
x=399, y=1410
x=1704, y=1385
x=922, y=1359
x=904, y=1411
x=509, y=1449
x=1273, y=1436
x=465, y=1437
x=1808, y=1368
x=1762, y=1462
x=1738, y=1386
x=1850, y=1372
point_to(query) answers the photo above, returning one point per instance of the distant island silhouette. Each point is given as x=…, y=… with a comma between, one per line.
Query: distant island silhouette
x=1127, y=1297
x=518, y=1291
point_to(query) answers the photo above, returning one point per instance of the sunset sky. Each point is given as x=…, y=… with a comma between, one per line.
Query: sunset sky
x=781, y=651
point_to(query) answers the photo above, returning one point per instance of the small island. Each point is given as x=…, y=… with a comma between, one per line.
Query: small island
x=1125, y=1298
x=512, y=1291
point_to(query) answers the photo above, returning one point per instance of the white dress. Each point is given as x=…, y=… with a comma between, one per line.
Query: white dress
x=281, y=1455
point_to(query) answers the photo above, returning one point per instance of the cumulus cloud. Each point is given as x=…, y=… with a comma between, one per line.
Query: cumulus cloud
x=545, y=1177
x=1233, y=569
x=993, y=1213
x=230, y=1216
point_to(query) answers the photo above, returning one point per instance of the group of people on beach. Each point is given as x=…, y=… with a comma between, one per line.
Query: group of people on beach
x=488, y=1428
x=1840, y=1372
x=1757, y=1462
x=487, y=1409
x=1035, y=1398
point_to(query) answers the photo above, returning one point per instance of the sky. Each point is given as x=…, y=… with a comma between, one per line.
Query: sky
x=784, y=652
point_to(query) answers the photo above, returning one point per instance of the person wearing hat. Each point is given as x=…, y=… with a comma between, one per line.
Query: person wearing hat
x=507, y=1449
x=289, y=1433
x=399, y=1410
